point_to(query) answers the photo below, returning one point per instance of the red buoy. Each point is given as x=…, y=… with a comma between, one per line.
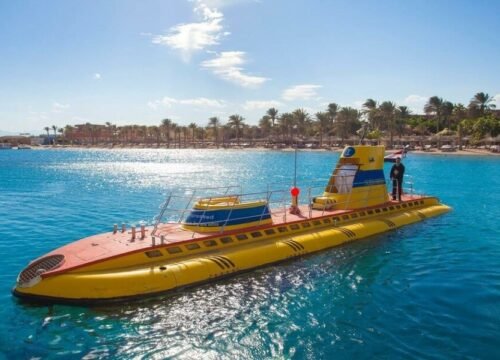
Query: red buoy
x=295, y=191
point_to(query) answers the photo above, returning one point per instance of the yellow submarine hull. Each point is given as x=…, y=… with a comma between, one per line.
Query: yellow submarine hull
x=130, y=277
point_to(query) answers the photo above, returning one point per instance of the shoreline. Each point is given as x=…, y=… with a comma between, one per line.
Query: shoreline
x=434, y=152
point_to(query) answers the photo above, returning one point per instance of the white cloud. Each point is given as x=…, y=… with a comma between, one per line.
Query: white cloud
x=97, y=76
x=411, y=99
x=198, y=102
x=415, y=103
x=358, y=104
x=496, y=100
x=195, y=36
x=261, y=104
x=59, y=108
x=37, y=115
x=300, y=92
x=227, y=65
x=223, y=3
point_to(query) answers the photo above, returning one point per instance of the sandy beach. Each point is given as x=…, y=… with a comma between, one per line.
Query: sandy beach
x=464, y=152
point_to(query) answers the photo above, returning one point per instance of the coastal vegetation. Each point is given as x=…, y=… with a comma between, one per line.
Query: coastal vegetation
x=376, y=122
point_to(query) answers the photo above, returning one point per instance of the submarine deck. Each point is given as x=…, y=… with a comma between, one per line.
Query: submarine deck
x=103, y=246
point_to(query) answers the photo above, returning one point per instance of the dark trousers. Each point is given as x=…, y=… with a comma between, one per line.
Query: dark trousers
x=397, y=187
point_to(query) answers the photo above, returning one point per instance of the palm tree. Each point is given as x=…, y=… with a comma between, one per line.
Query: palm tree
x=347, y=122
x=166, y=124
x=332, y=111
x=286, y=122
x=302, y=120
x=265, y=125
x=402, y=113
x=109, y=130
x=236, y=121
x=55, y=133
x=60, y=131
x=185, y=133
x=482, y=103
x=387, y=111
x=125, y=134
x=272, y=113
x=459, y=113
x=143, y=132
x=201, y=132
x=434, y=107
x=323, y=125
x=174, y=126
x=193, y=127
x=214, y=123
x=178, y=131
x=48, y=135
x=155, y=131
x=372, y=112
x=68, y=133
x=224, y=131
x=447, y=111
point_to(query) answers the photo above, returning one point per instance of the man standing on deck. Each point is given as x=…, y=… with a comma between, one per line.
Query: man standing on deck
x=397, y=173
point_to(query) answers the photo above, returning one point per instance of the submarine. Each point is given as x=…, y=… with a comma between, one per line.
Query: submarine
x=206, y=238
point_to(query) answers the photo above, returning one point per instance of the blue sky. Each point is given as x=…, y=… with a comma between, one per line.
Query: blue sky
x=137, y=62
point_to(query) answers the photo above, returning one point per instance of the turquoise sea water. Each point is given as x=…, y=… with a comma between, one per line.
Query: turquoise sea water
x=427, y=291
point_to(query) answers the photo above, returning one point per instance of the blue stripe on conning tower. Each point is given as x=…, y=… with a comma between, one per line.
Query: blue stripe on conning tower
x=368, y=177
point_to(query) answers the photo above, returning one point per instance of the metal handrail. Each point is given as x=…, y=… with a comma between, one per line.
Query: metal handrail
x=277, y=202
x=162, y=212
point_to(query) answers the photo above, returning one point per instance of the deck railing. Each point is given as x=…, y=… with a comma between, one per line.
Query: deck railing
x=176, y=208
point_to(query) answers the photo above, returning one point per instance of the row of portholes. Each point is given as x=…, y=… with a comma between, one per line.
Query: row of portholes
x=281, y=229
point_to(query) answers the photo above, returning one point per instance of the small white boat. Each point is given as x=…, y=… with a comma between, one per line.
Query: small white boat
x=392, y=157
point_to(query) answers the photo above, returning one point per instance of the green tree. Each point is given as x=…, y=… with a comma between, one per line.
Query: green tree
x=323, y=123
x=484, y=126
x=481, y=104
x=370, y=109
x=402, y=115
x=347, y=122
x=459, y=113
x=193, y=128
x=236, y=121
x=332, y=111
x=434, y=107
x=387, y=112
x=48, y=135
x=185, y=131
x=302, y=120
x=265, y=125
x=68, y=133
x=375, y=135
x=155, y=131
x=214, y=123
x=165, y=126
x=447, y=111
x=286, y=122
x=54, y=128
x=272, y=113
x=175, y=130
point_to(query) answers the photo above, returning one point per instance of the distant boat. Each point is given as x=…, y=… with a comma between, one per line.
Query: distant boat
x=23, y=147
x=395, y=155
x=5, y=146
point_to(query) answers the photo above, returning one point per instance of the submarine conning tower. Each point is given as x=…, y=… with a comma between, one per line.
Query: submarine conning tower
x=357, y=181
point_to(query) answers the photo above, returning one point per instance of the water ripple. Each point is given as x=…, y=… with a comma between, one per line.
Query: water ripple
x=427, y=291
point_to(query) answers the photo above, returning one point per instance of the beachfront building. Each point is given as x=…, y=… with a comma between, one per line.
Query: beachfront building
x=15, y=140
